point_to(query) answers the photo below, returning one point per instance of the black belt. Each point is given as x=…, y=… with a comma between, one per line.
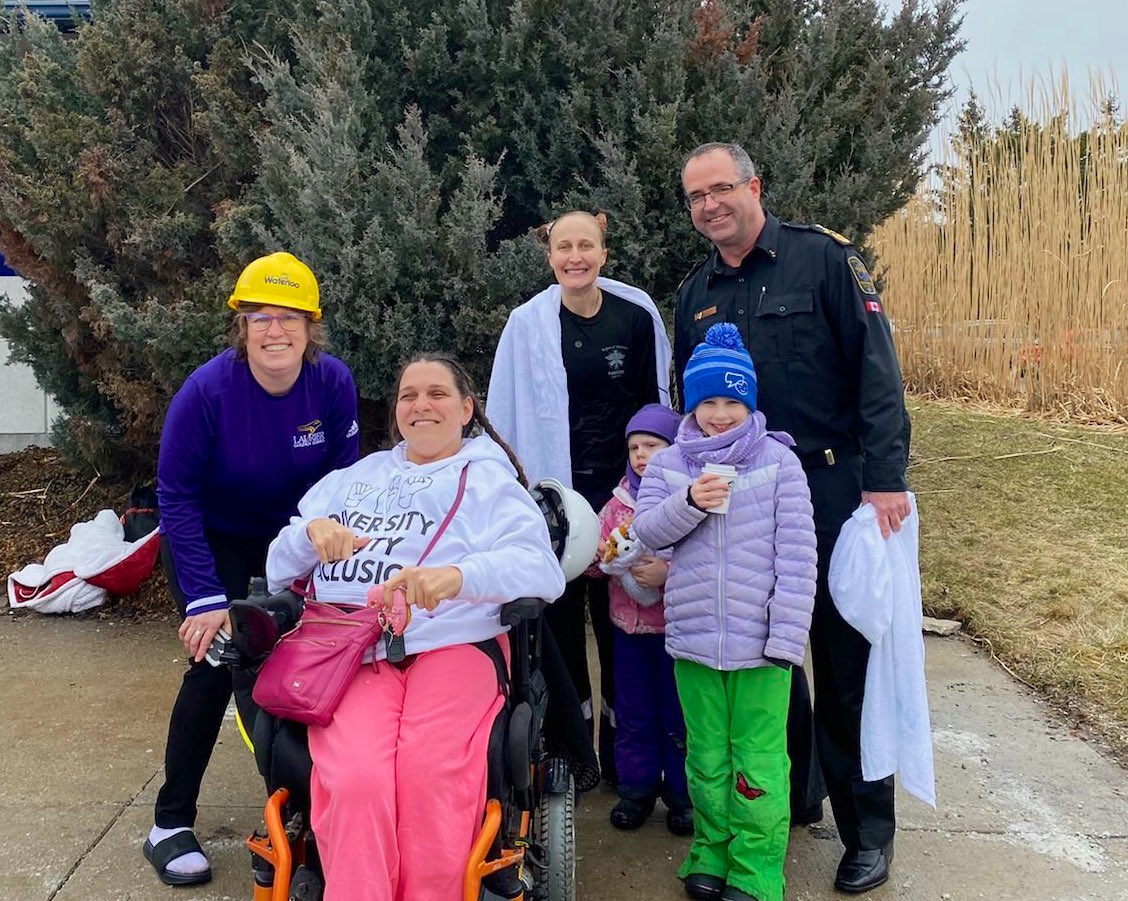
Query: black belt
x=827, y=456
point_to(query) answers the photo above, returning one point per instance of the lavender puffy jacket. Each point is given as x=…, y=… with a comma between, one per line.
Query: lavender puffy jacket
x=742, y=585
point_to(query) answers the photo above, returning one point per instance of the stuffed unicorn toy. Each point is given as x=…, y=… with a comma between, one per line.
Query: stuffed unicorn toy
x=624, y=550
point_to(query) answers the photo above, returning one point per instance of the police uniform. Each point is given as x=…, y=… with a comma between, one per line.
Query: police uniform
x=828, y=375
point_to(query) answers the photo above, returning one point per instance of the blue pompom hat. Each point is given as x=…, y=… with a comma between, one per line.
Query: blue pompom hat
x=720, y=367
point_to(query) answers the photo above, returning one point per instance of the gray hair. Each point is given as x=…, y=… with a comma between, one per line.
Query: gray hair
x=745, y=168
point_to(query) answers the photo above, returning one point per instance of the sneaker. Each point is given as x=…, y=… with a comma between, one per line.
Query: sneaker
x=631, y=813
x=679, y=819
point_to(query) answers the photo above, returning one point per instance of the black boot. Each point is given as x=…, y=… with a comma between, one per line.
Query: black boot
x=735, y=894
x=631, y=813
x=704, y=887
x=679, y=819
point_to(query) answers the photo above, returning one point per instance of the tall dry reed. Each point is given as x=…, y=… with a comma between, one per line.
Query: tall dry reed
x=1009, y=283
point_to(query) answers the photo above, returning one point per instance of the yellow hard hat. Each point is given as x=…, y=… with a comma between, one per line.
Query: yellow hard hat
x=278, y=280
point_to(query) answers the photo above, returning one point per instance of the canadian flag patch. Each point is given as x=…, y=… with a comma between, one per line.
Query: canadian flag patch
x=873, y=306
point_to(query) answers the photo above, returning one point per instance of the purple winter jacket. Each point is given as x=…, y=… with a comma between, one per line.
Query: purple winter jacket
x=742, y=584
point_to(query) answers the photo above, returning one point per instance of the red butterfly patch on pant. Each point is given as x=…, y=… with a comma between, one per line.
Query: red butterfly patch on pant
x=746, y=790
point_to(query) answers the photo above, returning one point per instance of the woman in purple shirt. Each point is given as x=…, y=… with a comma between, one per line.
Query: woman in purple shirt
x=245, y=437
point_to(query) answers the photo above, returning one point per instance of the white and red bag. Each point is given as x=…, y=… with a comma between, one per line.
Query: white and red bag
x=95, y=561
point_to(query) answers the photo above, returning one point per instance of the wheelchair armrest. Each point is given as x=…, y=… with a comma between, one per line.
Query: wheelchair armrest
x=521, y=610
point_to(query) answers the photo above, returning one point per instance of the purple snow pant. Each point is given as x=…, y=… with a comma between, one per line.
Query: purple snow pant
x=650, y=741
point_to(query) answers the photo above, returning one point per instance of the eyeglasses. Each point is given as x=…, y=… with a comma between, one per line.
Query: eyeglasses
x=720, y=192
x=260, y=322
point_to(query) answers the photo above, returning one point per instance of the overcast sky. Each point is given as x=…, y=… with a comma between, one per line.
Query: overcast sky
x=1009, y=41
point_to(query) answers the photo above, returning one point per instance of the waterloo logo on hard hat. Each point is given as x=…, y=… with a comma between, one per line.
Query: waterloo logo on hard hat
x=278, y=280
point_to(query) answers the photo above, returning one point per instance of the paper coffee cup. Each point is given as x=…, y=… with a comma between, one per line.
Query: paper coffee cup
x=728, y=473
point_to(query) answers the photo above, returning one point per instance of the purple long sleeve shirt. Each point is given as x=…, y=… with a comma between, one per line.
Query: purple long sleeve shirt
x=236, y=460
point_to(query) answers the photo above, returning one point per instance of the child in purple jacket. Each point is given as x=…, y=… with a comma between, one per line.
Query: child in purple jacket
x=739, y=597
x=650, y=733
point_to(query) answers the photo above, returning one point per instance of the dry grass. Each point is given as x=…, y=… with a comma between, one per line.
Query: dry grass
x=1010, y=285
x=1024, y=537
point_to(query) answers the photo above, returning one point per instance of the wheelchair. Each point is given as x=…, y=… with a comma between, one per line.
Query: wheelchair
x=525, y=848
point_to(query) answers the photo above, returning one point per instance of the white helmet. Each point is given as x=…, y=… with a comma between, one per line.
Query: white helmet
x=573, y=527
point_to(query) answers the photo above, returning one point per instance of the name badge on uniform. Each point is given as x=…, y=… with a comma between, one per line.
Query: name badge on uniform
x=701, y=314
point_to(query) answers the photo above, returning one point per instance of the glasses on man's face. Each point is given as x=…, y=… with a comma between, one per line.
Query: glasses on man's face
x=720, y=192
x=260, y=322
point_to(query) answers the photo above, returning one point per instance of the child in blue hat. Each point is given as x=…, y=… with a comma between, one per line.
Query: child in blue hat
x=739, y=597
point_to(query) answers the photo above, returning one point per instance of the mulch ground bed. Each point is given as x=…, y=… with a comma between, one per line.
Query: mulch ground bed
x=41, y=497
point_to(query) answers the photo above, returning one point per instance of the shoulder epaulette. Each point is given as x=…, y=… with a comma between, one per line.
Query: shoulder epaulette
x=836, y=237
x=833, y=235
x=691, y=273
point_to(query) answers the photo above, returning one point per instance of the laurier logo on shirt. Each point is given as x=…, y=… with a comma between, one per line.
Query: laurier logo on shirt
x=309, y=434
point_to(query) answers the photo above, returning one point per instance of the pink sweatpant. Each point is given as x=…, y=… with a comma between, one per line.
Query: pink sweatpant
x=399, y=777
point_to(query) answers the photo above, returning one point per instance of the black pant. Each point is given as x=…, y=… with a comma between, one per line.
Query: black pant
x=863, y=811
x=198, y=712
x=567, y=620
x=808, y=789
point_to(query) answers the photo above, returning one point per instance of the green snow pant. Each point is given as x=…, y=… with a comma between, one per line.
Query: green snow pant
x=736, y=761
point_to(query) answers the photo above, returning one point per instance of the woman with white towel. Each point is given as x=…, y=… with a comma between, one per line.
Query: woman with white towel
x=572, y=366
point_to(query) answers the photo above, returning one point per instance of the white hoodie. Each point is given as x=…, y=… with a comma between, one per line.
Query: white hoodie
x=498, y=539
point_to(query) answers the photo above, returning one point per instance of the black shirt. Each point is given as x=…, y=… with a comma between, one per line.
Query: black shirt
x=611, y=365
x=823, y=350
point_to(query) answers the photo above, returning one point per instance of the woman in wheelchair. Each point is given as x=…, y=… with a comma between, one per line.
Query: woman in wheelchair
x=399, y=775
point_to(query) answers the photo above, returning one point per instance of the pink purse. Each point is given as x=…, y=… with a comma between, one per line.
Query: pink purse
x=307, y=673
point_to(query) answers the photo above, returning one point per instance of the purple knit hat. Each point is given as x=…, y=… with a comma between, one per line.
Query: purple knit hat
x=653, y=419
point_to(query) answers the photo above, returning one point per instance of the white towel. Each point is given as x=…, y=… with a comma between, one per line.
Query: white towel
x=77, y=574
x=527, y=401
x=875, y=584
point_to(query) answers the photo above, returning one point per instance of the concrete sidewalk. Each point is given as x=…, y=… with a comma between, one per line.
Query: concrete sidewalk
x=1026, y=811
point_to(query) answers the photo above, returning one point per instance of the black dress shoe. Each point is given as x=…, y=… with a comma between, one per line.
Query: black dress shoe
x=631, y=813
x=862, y=870
x=704, y=887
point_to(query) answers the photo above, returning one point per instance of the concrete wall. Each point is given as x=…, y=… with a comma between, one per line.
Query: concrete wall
x=27, y=409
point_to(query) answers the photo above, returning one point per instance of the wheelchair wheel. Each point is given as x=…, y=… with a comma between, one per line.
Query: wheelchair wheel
x=555, y=831
x=306, y=885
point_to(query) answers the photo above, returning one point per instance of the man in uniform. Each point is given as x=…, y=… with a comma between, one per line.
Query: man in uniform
x=828, y=375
